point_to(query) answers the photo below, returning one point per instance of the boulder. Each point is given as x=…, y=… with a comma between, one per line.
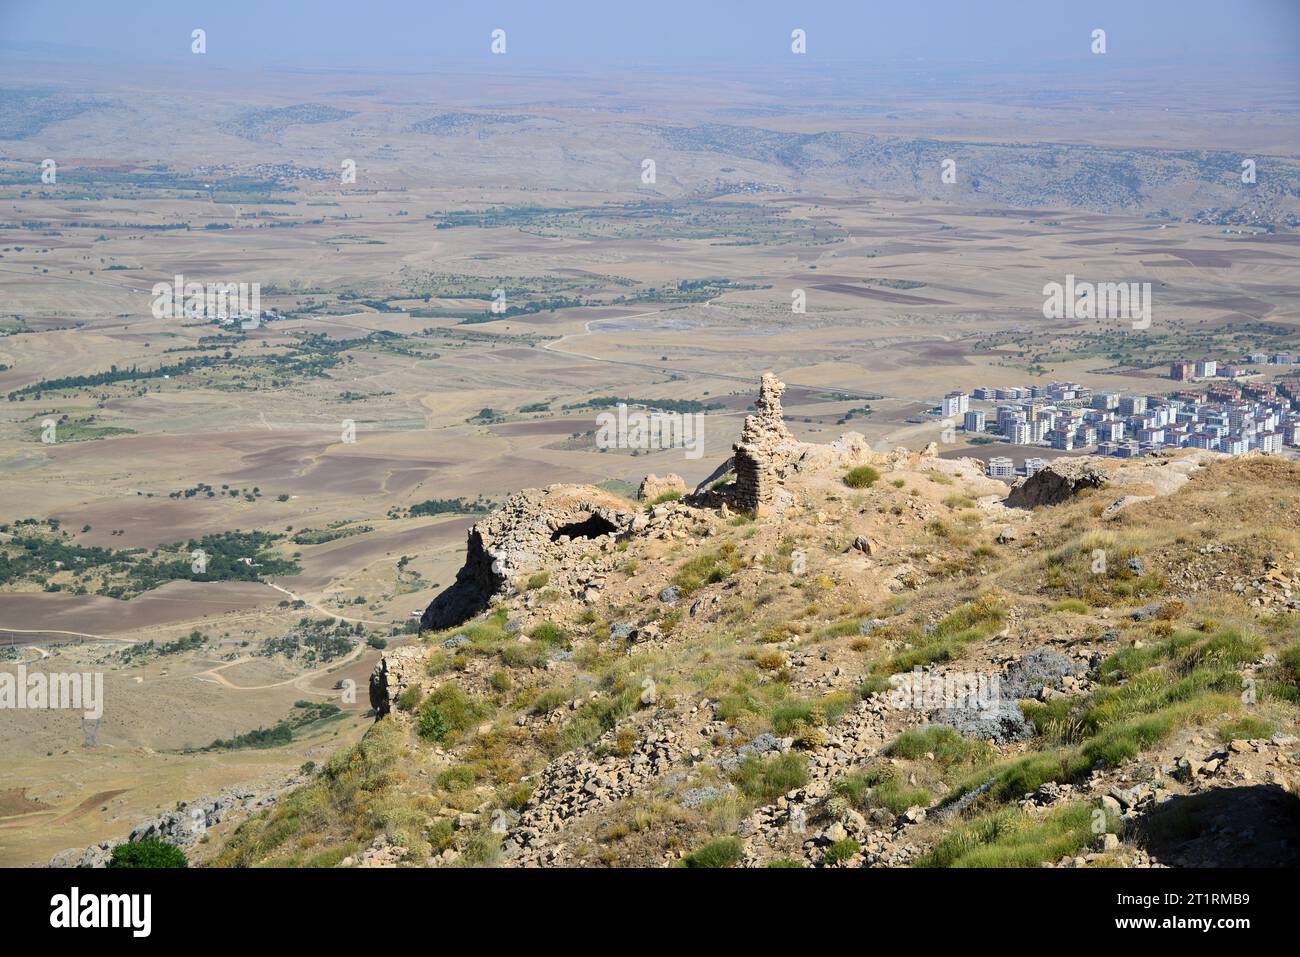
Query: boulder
x=1058, y=481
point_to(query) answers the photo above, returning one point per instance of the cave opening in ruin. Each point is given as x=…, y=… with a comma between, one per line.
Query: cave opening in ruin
x=593, y=526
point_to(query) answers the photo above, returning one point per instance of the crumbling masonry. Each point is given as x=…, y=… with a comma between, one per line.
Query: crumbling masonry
x=764, y=453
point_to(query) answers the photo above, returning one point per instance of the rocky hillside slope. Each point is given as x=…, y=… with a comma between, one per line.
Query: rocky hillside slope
x=835, y=657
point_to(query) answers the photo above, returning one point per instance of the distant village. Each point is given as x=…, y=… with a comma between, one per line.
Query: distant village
x=1237, y=411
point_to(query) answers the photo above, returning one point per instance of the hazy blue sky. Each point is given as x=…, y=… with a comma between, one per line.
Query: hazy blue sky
x=415, y=34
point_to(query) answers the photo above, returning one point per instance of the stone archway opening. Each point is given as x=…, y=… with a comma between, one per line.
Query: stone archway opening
x=593, y=526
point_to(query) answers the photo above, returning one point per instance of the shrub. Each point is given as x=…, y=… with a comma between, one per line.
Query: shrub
x=662, y=498
x=410, y=698
x=864, y=476
x=456, y=778
x=880, y=786
x=519, y=655
x=432, y=725
x=1075, y=605
x=549, y=633
x=459, y=711
x=1284, y=678
x=766, y=780
x=707, y=569
x=442, y=834
x=151, y=852
x=842, y=851
x=724, y=852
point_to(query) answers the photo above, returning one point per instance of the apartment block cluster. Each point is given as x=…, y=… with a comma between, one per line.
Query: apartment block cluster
x=1229, y=416
x=1185, y=370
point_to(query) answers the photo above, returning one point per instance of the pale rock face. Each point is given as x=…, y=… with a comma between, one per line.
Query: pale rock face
x=652, y=486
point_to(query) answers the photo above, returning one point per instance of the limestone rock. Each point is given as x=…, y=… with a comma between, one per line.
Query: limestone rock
x=1058, y=481
x=652, y=486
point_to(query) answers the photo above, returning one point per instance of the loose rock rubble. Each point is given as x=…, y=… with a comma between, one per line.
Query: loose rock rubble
x=186, y=824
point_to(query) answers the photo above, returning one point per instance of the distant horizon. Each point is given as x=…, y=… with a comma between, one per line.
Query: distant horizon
x=406, y=36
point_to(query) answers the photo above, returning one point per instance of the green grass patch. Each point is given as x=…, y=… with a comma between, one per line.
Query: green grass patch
x=880, y=786
x=949, y=748
x=863, y=476
x=1015, y=838
x=765, y=780
x=724, y=852
x=707, y=569
x=841, y=851
x=1245, y=728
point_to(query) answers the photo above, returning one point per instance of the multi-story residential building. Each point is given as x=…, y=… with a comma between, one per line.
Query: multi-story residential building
x=974, y=421
x=1106, y=400
x=1061, y=439
x=1180, y=371
x=955, y=404
x=1269, y=441
x=1017, y=432
x=1206, y=368
x=1001, y=467
x=1112, y=431
x=1133, y=404
x=1033, y=466
x=1234, y=445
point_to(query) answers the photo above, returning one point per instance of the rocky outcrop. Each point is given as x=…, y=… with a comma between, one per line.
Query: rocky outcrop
x=397, y=670
x=652, y=486
x=1058, y=481
x=536, y=529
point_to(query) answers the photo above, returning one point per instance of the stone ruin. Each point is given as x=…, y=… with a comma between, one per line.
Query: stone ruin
x=652, y=486
x=569, y=531
x=554, y=529
x=760, y=461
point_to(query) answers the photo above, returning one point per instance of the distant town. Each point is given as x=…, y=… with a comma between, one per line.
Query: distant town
x=1237, y=411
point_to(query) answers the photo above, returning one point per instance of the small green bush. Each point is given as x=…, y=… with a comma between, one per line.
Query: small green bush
x=767, y=780
x=841, y=851
x=864, y=476
x=724, y=852
x=151, y=852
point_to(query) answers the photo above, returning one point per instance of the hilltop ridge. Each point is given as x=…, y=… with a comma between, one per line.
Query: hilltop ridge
x=793, y=665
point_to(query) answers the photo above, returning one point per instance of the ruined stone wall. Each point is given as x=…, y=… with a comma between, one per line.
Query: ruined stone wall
x=765, y=450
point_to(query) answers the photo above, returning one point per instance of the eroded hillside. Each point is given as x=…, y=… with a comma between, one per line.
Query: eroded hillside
x=835, y=657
